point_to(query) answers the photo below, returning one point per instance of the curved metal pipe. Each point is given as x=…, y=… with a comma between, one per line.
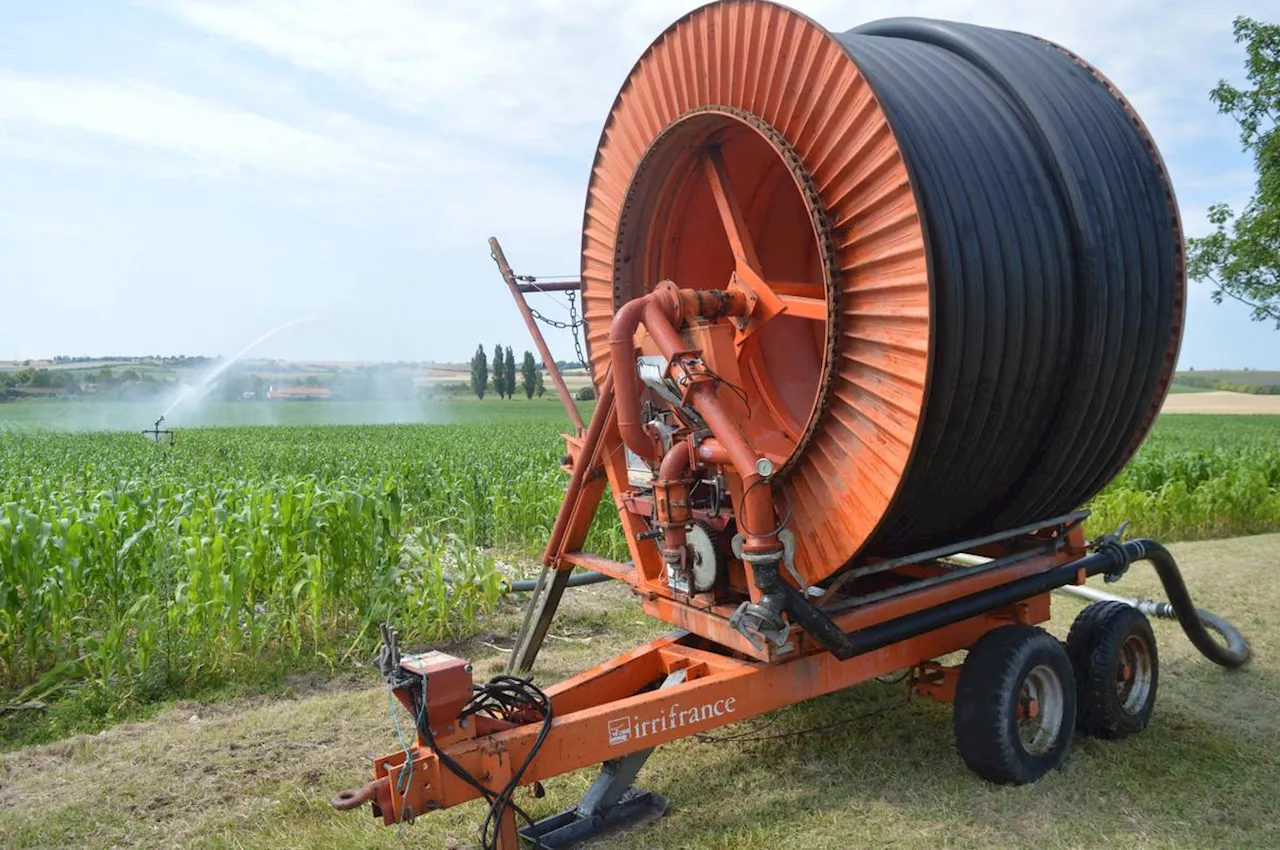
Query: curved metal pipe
x=673, y=520
x=657, y=311
x=674, y=462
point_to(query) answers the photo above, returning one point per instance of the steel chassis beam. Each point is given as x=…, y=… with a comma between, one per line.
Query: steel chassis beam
x=613, y=710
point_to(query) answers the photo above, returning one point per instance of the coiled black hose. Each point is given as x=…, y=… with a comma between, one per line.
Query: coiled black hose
x=1054, y=269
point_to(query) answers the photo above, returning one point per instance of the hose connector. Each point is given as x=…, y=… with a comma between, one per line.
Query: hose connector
x=1111, y=544
x=761, y=622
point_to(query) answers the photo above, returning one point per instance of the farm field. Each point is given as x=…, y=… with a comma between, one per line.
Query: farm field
x=1192, y=400
x=132, y=573
x=1243, y=377
x=258, y=772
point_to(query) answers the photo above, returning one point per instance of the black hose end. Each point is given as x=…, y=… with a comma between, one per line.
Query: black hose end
x=1236, y=644
x=1195, y=622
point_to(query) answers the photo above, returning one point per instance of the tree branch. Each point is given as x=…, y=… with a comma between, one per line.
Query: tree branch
x=1265, y=310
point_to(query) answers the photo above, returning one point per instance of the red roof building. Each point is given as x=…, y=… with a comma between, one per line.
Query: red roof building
x=298, y=393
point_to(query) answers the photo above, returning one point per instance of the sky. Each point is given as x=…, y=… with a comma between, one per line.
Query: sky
x=183, y=176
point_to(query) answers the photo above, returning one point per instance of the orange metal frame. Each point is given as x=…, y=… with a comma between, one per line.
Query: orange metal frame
x=615, y=709
x=612, y=710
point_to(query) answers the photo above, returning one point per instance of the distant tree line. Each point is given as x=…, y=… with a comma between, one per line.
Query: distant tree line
x=182, y=361
x=125, y=384
x=1206, y=382
x=500, y=375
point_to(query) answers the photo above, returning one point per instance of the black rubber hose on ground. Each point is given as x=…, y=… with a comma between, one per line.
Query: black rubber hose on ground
x=526, y=585
x=581, y=579
x=1235, y=641
x=1195, y=622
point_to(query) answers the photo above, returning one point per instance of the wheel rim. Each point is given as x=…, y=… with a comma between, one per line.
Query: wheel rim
x=1133, y=674
x=1040, y=710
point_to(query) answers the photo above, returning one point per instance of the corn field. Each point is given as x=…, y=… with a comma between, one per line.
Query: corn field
x=121, y=559
x=125, y=562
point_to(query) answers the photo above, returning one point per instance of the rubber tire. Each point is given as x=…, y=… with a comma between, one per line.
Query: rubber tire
x=1094, y=645
x=987, y=694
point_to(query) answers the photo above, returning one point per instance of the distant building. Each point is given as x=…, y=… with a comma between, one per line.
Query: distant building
x=298, y=393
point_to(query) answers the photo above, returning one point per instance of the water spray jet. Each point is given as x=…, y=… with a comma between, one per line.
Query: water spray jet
x=207, y=382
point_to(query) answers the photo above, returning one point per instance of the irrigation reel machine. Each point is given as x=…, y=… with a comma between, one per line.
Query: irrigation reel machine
x=870, y=315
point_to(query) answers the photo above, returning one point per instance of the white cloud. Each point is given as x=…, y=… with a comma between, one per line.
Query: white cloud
x=543, y=73
x=201, y=135
x=538, y=75
x=25, y=221
x=476, y=88
x=427, y=125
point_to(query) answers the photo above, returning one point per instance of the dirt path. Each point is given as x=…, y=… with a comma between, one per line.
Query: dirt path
x=1221, y=402
x=258, y=773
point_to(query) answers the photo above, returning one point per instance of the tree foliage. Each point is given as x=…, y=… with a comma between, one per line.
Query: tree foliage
x=1241, y=257
x=509, y=373
x=479, y=372
x=528, y=375
x=499, y=376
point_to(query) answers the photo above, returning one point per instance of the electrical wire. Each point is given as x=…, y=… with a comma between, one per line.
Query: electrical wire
x=503, y=697
x=405, y=776
x=741, y=393
x=786, y=518
x=509, y=698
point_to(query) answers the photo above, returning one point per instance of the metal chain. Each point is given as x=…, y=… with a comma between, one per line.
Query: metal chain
x=573, y=324
x=577, y=323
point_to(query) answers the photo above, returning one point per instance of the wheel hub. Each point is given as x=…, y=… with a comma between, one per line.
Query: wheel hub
x=1133, y=674
x=1041, y=703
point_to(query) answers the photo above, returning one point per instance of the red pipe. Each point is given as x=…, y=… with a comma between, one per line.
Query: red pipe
x=670, y=481
x=658, y=311
x=757, y=503
x=711, y=450
x=674, y=462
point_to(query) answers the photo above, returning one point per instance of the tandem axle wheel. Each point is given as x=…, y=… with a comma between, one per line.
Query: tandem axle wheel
x=1015, y=709
x=1021, y=694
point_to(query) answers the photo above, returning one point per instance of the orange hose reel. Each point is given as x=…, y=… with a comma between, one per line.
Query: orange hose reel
x=771, y=326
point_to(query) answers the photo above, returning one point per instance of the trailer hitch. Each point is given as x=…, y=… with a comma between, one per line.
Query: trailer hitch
x=345, y=801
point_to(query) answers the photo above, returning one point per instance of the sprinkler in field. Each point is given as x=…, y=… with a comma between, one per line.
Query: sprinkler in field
x=156, y=432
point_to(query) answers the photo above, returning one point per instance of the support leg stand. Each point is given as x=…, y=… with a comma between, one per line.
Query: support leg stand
x=611, y=803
